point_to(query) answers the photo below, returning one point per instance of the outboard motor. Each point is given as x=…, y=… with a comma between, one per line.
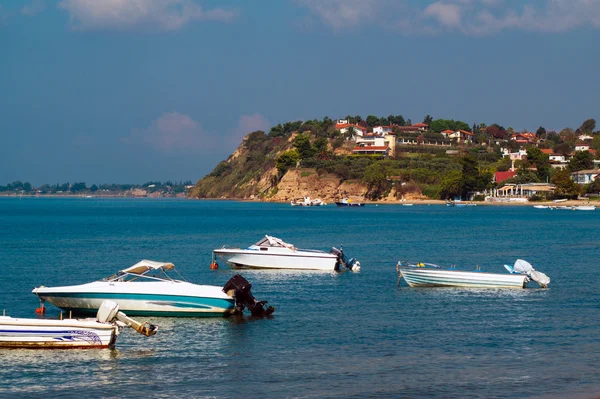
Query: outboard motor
x=343, y=261
x=239, y=288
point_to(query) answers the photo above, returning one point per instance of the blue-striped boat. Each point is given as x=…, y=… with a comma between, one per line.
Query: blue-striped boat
x=144, y=289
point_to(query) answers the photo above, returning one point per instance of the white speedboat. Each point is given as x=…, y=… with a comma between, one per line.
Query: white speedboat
x=273, y=253
x=144, y=289
x=100, y=332
x=431, y=275
x=541, y=206
x=307, y=201
x=584, y=208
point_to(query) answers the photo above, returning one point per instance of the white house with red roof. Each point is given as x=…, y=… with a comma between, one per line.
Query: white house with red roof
x=383, y=130
x=581, y=146
x=357, y=130
x=421, y=126
x=459, y=135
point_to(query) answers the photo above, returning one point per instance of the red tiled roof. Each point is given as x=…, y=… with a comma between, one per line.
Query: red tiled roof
x=466, y=132
x=548, y=151
x=346, y=125
x=501, y=176
x=421, y=125
x=448, y=131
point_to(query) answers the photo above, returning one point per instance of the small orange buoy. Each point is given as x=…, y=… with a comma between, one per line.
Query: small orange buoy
x=214, y=265
x=41, y=310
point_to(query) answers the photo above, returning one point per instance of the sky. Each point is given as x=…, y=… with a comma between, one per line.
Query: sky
x=131, y=91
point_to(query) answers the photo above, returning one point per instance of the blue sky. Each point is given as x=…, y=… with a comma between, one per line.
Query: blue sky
x=129, y=91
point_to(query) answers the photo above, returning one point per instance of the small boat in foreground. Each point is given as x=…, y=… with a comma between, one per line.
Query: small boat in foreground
x=541, y=206
x=100, y=332
x=431, y=275
x=144, y=289
x=273, y=253
x=346, y=202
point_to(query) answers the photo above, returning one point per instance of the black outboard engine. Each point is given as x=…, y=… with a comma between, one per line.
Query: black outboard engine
x=239, y=288
x=343, y=261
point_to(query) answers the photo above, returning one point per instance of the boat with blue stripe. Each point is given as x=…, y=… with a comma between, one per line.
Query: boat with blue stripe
x=144, y=289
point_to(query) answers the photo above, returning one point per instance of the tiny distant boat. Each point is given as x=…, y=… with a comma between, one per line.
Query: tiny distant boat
x=560, y=200
x=273, y=253
x=307, y=201
x=144, y=289
x=407, y=204
x=450, y=203
x=584, y=208
x=100, y=332
x=541, y=206
x=431, y=275
x=345, y=202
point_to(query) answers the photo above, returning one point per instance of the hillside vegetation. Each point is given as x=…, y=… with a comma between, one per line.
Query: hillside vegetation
x=312, y=158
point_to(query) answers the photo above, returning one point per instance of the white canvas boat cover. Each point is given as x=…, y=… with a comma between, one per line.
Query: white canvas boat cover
x=143, y=266
x=270, y=241
x=522, y=266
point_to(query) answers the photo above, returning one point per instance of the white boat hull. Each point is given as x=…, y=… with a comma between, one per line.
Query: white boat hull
x=68, y=333
x=171, y=299
x=426, y=277
x=277, y=258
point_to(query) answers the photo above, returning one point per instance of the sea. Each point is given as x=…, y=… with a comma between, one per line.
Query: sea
x=333, y=335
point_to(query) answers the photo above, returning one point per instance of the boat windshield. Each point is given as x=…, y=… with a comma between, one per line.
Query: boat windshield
x=145, y=270
x=269, y=241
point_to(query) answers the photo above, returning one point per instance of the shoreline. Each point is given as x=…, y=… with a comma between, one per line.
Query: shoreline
x=398, y=202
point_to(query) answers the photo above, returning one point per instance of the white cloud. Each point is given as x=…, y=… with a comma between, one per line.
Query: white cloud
x=173, y=133
x=447, y=14
x=476, y=17
x=123, y=14
x=345, y=14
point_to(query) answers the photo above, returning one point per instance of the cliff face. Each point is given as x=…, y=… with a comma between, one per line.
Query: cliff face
x=299, y=183
x=251, y=173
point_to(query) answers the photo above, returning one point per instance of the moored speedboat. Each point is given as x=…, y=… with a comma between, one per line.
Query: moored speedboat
x=307, y=201
x=431, y=275
x=273, y=253
x=584, y=208
x=143, y=289
x=100, y=332
x=346, y=202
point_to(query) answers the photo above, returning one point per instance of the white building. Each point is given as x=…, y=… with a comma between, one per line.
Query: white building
x=585, y=176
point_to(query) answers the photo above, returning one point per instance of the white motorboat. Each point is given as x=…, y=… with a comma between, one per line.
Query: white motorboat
x=541, y=206
x=273, y=253
x=144, y=289
x=431, y=275
x=307, y=201
x=584, y=208
x=100, y=332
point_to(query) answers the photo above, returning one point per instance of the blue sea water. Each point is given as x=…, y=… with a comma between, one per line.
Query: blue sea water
x=347, y=335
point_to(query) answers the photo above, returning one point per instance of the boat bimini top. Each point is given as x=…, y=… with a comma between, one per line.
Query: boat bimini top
x=146, y=269
x=269, y=241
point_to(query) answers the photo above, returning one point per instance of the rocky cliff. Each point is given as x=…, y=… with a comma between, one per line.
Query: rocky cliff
x=250, y=173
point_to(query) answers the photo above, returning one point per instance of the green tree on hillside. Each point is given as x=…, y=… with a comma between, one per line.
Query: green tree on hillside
x=287, y=160
x=375, y=179
x=428, y=119
x=580, y=161
x=451, y=184
x=565, y=186
x=372, y=121
x=541, y=161
x=304, y=147
x=587, y=126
